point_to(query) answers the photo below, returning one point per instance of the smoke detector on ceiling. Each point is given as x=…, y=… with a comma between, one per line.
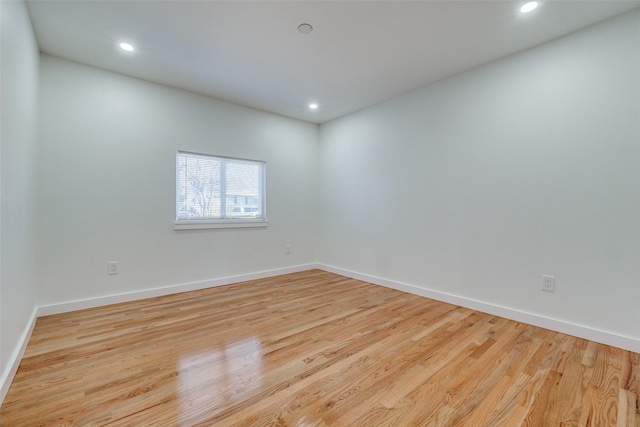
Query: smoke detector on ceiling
x=305, y=28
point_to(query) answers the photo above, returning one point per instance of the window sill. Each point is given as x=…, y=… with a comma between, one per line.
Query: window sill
x=226, y=223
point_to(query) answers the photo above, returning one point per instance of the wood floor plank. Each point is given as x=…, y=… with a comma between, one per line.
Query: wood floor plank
x=313, y=349
x=626, y=409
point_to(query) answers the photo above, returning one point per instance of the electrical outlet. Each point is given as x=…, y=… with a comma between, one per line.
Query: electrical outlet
x=287, y=249
x=548, y=283
x=112, y=268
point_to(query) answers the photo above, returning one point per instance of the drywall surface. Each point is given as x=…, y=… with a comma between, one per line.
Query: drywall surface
x=107, y=185
x=480, y=184
x=19, y=123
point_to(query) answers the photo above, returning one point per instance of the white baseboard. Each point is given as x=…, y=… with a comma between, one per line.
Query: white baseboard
x=66, y=307
x=16, y=357
x=562, y=326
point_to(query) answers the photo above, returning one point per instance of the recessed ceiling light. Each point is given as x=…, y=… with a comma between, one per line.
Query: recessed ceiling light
x=528, y=7
x=305, y=28
x=126, y=46
x=313, y=106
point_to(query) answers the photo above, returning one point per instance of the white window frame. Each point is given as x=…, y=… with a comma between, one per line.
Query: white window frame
x=233, y=222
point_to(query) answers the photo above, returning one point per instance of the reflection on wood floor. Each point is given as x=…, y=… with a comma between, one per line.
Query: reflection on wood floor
x=313, y=349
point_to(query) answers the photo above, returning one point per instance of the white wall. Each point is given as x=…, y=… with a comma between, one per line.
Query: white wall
x=19, y=116
x=480, y=184
x=107, y=185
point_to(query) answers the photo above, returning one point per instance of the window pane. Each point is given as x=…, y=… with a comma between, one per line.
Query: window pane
x=242, y=183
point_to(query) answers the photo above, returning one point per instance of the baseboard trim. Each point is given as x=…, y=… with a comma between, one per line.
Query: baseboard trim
x=580, y=331
x=65, y=307
x=16, y=357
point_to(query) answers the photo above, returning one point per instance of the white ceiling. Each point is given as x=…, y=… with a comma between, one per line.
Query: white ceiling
x=251, y=53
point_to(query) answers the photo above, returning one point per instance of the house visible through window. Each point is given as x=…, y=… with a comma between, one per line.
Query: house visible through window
x=219, y=189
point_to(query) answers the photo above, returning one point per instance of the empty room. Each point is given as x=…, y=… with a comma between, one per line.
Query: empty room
x=320, y=213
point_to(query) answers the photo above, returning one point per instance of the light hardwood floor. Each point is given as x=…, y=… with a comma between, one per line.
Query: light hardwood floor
x=313, y=349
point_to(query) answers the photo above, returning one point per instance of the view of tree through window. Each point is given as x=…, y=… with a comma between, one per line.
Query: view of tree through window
x=210, y=188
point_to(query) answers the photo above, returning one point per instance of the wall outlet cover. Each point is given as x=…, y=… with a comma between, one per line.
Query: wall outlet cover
x=548, y=283
x=112, y=268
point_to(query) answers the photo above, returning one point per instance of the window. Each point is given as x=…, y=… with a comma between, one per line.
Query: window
x=213, y=192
